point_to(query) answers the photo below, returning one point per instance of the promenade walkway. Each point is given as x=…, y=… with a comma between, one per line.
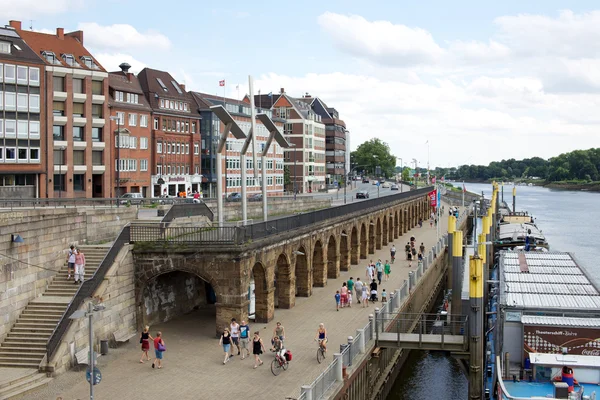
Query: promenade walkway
x=193, y=363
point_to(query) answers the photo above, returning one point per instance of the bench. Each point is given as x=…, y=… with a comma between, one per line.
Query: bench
x=376, y=351
x=83, y=355
x=123, y=335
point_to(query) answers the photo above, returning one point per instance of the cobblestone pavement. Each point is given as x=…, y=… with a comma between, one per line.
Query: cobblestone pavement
x=193, y=363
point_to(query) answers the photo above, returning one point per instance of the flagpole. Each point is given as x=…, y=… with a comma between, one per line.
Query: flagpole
x=463, y=196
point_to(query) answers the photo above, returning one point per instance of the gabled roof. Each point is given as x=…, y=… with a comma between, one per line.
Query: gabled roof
x=19, y=50
x=264, y=100
x=59, y=43
x=130, y=84
x=208, y=98
x=154, y=91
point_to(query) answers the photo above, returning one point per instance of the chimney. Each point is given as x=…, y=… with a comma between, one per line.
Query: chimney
x=125, y=68
x=15, y=24
x=182, y=86
x=282, y=90
x=77, y=35
x=60, y=33
x=307, y=95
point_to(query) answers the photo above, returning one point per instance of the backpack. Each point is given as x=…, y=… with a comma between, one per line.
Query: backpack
x=288, y=355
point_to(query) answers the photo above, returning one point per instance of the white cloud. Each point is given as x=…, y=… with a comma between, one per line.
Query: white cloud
x=29, y=9
x=475, y=51
x=111, y=61
x=122, y=37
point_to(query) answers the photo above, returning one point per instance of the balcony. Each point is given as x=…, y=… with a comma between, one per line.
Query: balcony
x=98, y=99
x=335, y=146
x=98, y=169
x=79, y=121
x=79, y=97
x=98, y=122
x=60, y=120
x=59, y=96
x=336, y=159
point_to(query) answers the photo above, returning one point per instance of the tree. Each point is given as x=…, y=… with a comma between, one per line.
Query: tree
x=374, y=153
x=406, y=174
x=287, y=181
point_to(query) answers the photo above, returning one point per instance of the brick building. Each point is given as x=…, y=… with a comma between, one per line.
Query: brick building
x=74, y=106
x=175, y=162
x=22, y=144
x=128, y=103
x=232, y=174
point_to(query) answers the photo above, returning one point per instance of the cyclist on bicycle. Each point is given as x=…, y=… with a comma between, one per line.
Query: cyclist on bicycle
x=321, y=336
x=278, y=347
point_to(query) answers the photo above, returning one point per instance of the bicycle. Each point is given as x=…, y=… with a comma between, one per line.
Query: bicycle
x=279, y=363
x=321, y=351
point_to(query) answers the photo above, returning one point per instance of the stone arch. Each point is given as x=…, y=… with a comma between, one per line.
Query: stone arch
x=319, y=274
x=333, y=262
x=344, y=252
x=263, y=308
x=384, y=233
x=302, y=273
x=378, y=234
x=363, y=242
x=371, y=237
x=285, y=296
x=391, y=231
x=396, y=224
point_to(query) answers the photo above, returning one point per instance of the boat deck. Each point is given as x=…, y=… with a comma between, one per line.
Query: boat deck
x=541, y=389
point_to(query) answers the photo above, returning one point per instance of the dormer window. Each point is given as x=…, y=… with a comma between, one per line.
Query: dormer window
x=5, y=47
x=50, y=57
x=162, y=84
x=70, y=60
x=89, y=62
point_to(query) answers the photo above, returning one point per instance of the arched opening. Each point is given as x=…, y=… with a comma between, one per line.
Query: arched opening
x=378, y=241
x=264, y=309
x=285, y=297
x=344, y=252
x=371, y=237
x=302, y=273
x=396, y=225
x=384, y=236
x=333, y=266
x=391, y=231
x=319, y=276
x=354, y=246
x=363, y=242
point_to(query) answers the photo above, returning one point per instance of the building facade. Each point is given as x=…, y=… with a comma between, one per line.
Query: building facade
x=75, y=107
x=175, y=134
x=212, y=128
x=131, y=116
x=22, y=144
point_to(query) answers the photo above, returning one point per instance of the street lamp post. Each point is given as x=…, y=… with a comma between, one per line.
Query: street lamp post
x=294, y=146
x=117, y=191
x=401, y=171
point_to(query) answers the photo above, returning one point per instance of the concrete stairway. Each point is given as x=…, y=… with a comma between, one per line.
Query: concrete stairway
x=25, y=344
x=15, y=382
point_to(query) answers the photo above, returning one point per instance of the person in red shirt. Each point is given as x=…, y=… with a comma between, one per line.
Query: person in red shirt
x=196, y=197
x=158, y=353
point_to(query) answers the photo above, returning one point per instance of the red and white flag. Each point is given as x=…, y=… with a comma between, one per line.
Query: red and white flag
x=222, y=83
x=464, y=188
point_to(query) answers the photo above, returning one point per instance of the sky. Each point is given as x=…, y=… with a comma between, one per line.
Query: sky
x=445, y=83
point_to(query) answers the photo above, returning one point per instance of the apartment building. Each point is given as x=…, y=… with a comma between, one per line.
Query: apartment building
x=22, y=144
x=212, y=128
x=175, y=162
x=305, y=130
x=74, y=106
x=130, y=116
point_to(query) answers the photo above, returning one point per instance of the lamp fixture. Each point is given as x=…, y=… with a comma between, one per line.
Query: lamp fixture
x=16, y=238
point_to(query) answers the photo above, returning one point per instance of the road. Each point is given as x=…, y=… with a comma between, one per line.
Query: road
x=338, y=197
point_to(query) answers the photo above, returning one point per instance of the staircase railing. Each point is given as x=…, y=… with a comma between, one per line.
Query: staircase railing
x=86, y=290
x=187, y=210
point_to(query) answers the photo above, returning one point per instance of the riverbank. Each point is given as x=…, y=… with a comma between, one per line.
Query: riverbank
x=588, y=187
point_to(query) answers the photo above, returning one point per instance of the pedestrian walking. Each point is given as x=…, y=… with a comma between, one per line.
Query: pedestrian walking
x=71, y=262
x=145, y=339
x=79, y=266
x=244, y=339
x=383, y=296
x=225, y=341
x=407, y=249
x=257, y=349
x=349, y=299
x=422, y=248
x=337, y=300
x=379, y=267
x=369, y=272
x=235, y=336
x=387, y=270
x=159, y=349
x=350, y=285
x=279, y=331
x=365, y=296
x=393, y=253
x=344, y=295
x=358, y=288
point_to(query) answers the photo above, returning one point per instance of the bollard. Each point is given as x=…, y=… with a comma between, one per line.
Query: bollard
x=350, y=343
x=307, y=391
x=400, y=297
x=339, y=376
x=377, y=319
x=360, y=334
x=411, y=281
x=372, y=320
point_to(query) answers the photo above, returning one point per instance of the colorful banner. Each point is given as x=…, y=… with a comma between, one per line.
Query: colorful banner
x=549, y=339
x=433, y=198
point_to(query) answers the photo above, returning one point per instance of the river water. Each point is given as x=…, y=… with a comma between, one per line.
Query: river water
x=570, y=220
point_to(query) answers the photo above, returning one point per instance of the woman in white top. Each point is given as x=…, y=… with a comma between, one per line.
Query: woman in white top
x=365, y=296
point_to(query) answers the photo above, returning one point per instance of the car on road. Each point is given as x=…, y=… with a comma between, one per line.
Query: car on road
x=363, y=194
x=395, y=187
x=375, y=182
x=236, y=196
x=385, y=185
x=255, y=197
x=132, y=198
x=365, y=180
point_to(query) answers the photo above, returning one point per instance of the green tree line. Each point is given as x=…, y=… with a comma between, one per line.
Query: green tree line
x=577, y=165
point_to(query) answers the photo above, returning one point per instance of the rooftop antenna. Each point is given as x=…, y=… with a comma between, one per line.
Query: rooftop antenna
x=31, y=25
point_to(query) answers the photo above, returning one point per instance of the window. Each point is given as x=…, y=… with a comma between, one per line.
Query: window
x=132, y=119
x=9, y=73
x=34, y=103
x=187, y=149
x=10, y=128
x=1, y=100
x=168, y=148
x=144, y=121
x=185, y=106
x=159, y=147
x=10, y=101
x=97, y=110
x=78, y=134
x=89, y=62
x=78, y=109
x=22, y=102
x=162, y=85
x=10, y=153
x=1, y=128
x=143, y=143
x=193, y=127
x=79, y=182
x=34, y=129
x=121, y=116
x=143, y=165
x=118, y=95
x=23, y=153
x=97, y=158
x=58, y=83
x=22, y=129
x=58, y=132
x=162, y=103
x=178, y=148
x=172, y=105
x=58, y=108
x=59, y=157
x=156, y=123
x=178, y=126
x=59, y=183
x=132, y=98
x=132, y=142
x=70, y=60
x=96, y=134
x=22, y=74
x=176, y=86
x=77, y=85
x=34, y=154
x=5, y=47
x=78, y=157
x=97, y=87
